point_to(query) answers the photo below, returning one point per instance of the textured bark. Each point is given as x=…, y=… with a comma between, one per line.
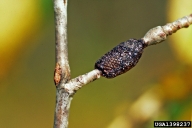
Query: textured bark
x=158, y=34
x=62, y=69
x=75, y=84
x=63, y=100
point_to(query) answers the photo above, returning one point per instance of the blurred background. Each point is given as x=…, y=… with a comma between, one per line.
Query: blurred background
x=158, y=88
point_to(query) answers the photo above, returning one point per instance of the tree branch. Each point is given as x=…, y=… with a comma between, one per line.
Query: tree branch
x=66, y=88
x=153, y=36
x=158, y=34
x=60, y=9
x=62, y=69
x=75, y=84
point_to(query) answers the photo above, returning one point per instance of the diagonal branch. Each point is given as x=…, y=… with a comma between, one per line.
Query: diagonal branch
x=75, y=84
x=153, y=36
x=158, y=34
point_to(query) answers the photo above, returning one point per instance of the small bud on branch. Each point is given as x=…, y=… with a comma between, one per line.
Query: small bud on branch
x=57, y=74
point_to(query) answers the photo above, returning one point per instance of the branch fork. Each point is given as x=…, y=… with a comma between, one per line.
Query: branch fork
x=66, y=87
x=155, y=35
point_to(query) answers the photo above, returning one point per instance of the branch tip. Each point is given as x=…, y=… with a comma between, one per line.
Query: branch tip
x=158, y=34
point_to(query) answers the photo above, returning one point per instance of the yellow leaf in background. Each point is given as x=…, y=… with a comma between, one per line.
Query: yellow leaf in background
x=177, y=85
x=20, y=20
x=182, y=40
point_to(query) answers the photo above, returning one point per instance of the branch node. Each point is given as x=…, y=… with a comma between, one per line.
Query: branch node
x=158, y=34
x=57, y=74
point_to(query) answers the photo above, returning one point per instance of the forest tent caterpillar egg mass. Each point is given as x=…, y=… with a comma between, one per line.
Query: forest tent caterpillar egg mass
x=121, y=58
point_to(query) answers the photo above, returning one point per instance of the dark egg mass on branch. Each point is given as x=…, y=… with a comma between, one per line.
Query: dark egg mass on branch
x=126, y=55
x=121, y=58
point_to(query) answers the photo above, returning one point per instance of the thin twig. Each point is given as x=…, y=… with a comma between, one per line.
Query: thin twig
x=78, y=82
x=60, y=8
x=153, y=36
x=62, y=70
x=158, y=34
